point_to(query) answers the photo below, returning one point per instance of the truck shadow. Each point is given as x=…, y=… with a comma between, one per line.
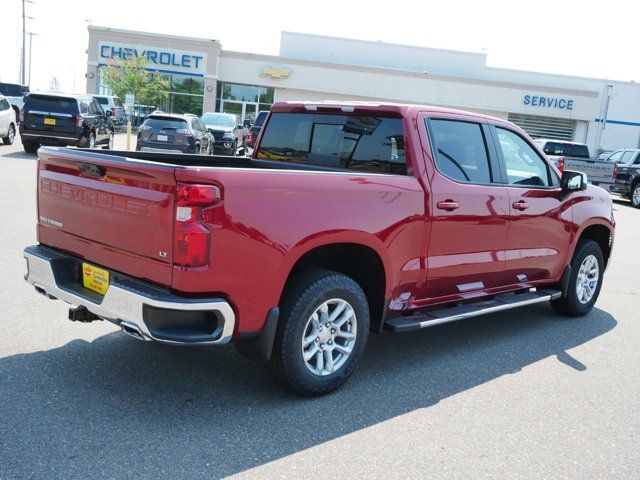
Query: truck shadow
x=118, y=408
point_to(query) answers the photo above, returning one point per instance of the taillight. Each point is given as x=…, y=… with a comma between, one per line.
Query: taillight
x=79, y=120
x=250, y=138
x=615, y=171
x=561, y=164
x=144, y=128
x=113, y=111
x=183, y=131
x=191, y=242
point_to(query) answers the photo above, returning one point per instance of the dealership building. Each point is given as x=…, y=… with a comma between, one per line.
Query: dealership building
x=203, y=77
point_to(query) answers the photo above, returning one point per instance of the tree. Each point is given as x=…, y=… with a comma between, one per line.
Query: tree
x=131, y=76
x=54, y=84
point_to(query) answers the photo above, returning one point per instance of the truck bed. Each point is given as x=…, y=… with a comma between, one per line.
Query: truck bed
x=187, y=160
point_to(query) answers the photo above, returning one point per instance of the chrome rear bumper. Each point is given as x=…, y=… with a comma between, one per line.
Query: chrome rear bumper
x=128, y=302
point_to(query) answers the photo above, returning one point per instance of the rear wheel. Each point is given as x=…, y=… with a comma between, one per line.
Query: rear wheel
x=635, y=196
x=30, y=147
x=11, y=135
x=322, y=332
x=585, y=281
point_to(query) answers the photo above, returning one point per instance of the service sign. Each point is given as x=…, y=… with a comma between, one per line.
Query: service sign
x=164, y=60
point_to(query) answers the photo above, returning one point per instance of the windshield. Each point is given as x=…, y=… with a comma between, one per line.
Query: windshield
x=222, y=119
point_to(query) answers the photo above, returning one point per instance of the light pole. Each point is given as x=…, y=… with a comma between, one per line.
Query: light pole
x=31, y=34
x=23, y=77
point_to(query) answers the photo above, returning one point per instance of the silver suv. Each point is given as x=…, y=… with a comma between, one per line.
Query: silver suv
x=113, y=103
x=7, y=121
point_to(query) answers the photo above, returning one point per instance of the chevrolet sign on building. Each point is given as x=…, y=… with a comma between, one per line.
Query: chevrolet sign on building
x=276, y=73
x=604, y=114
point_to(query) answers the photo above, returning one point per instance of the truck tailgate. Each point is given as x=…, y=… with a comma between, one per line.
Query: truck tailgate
x=109, y=210
x=597, y=170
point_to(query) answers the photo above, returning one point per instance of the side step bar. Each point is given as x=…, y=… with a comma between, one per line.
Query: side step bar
x=503, y=301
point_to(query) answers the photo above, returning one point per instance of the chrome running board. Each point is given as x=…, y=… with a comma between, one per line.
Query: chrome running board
x=497, y=303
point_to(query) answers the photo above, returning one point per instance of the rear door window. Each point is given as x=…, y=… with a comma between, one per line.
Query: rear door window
x=460, y=151
x=627, y=157
x=103, y=100
x=361, y=143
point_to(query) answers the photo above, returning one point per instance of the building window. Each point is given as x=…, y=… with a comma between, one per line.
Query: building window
x=186, y=93
x=244, y=101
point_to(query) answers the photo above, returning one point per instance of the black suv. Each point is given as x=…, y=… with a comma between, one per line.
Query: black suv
x=64, y=119
x=177, y=133
x=627, y=177
x=254, y=130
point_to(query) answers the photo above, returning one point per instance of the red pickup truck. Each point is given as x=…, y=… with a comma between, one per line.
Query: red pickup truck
x=349, y=218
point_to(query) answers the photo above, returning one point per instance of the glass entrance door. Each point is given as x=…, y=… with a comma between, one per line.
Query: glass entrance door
x=250, y=111
x=243, y=110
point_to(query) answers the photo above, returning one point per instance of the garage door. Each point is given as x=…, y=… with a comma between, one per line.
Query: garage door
x=544, y=127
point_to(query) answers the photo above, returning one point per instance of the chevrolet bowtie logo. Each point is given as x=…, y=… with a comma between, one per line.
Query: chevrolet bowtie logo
x=277, y=73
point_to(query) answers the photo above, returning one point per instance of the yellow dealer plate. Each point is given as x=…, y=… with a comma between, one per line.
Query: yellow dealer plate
x=49, y=121
x=94, y=278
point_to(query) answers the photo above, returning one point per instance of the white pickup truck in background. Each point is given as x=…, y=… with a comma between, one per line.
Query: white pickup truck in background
x=575, y=156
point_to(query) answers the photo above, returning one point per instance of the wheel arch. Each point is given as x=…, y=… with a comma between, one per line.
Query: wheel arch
x=364, y=259
x=600, y=233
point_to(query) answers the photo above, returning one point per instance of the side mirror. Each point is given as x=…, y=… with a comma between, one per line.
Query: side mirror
x=108, y=113
x=573, y=182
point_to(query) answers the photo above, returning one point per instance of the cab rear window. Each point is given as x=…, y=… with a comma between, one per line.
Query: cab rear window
x=353, y=142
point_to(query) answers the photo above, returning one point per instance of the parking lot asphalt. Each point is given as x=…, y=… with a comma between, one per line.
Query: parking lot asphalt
x=520, y=394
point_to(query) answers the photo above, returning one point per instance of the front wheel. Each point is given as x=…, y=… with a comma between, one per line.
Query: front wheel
x=11, y=135
x=585, y=282
x=322, y=332
x=635, y=196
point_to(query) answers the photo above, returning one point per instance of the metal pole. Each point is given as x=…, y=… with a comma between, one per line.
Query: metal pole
x=30, y=45
x=24, y=38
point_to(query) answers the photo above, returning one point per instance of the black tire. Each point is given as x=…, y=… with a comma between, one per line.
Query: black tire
x=635, y=195
x=30, y=147
x=570, y=304
x=11, y=135
x=303, y=296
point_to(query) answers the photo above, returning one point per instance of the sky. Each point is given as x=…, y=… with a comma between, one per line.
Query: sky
x=583, y=38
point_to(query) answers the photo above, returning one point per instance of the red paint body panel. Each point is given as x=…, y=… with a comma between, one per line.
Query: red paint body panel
x=267, y=219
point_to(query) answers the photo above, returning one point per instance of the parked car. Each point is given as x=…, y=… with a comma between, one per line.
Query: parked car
x=64, y=119
x=115, y=105
x=254, y=130
x=7, y=121
x=141, y=112
x=178, y=133
x=15, y=94
x=227, y=131
x=575, y=156
x=627, y=180
x=349, y=218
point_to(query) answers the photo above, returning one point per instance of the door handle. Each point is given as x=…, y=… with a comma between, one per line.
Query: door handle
x=520, y=205
x=448, y=205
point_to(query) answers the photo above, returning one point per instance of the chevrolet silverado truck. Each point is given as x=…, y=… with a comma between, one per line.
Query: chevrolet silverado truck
x=575, y=157
x=348, y=219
